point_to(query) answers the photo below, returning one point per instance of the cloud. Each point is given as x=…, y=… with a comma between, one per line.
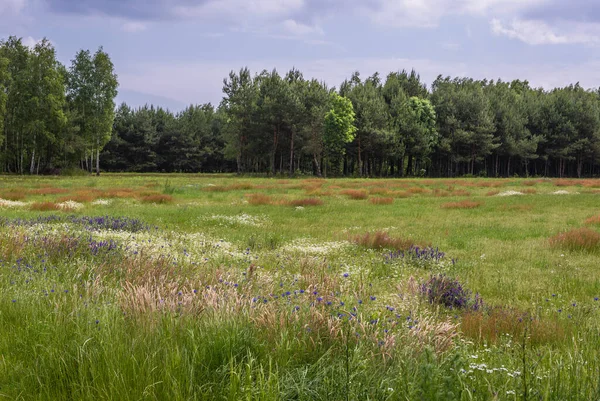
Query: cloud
x=428, y=13
x=537, y=32
x=134, y=26
x=11, y=7
x=296, y=28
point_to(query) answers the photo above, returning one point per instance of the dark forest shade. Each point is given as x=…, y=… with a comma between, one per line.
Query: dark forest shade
x=53, y=118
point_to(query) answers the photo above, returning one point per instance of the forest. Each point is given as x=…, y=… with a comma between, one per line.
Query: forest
x=58, y=119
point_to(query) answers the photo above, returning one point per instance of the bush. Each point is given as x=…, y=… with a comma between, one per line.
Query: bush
x=449, y=292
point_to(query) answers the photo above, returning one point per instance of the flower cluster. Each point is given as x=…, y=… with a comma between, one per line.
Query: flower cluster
x=443, y=290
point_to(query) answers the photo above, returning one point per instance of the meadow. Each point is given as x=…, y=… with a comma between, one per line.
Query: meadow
x=180, y=287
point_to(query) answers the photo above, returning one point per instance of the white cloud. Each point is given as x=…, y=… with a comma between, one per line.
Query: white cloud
x=297, y=28
x=8, y=7
x=536, y=32
x=241, y=9
x=134, y=26
x=428, y=13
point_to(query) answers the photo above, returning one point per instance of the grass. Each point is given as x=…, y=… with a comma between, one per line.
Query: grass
x=221, y=287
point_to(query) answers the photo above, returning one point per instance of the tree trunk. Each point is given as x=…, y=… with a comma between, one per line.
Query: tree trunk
x=317, y=166
x=508, y=167
x=32, y=167
x=275, y=142
x=360, y=163
x=98, y=160
x=292, y=154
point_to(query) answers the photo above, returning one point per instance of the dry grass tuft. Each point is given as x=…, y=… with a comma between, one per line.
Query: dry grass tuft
x=259, y=199
x=417, y=190
x=440, y=193
x=529, y=191
x=378, y=191
x=565, y=183
x=465, y=204
x=381, y=201
x=380, y=240
x=45, y=206
x=580, y=239
x=13, y=195
x=156, y=198
x=492, y=193
x=461, y=192
x=489, y=326
x=356, y=194
x=49, y=191
x=595, y=220
x=400, y=194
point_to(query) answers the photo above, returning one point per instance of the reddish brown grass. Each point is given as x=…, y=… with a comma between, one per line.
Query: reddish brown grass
x=259, y=199
x=304, y=202
x=595, y=220
x=461, y=192
x=580, y=239
x=44, y=206
x=440, y=193
x=355, y=193
x=13, y=195
x=489, y=184
x=49, y=191
x=530, y=191
x=417, y=190
x=492, y=193
x=156, y=198
x=381, y=201
x=119, y=193
x=378, y=191
x=381, y=239
x=529, y=183
x=591, y=183
x=489, y=326
x=465, y=204
x=400, y=194
x=565, y=183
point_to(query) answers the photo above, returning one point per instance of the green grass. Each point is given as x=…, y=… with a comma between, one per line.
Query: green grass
x=198, y=307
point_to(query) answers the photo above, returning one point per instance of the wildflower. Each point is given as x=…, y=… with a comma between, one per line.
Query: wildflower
x=346, y=274
x=373, y=298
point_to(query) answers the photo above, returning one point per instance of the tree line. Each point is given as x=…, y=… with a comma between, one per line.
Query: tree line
x=53, y=117
x=267, y=123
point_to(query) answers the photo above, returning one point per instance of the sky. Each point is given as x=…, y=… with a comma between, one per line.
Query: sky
x=174, y=53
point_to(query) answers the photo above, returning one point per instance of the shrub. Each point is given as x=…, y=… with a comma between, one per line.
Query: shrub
x=381, y=239
x=466, y=204
x=581, y=239
x=381, y=201
x=449, y=292
x=355, y=193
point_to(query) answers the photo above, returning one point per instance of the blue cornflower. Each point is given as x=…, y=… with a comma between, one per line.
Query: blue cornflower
x=373, y=298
